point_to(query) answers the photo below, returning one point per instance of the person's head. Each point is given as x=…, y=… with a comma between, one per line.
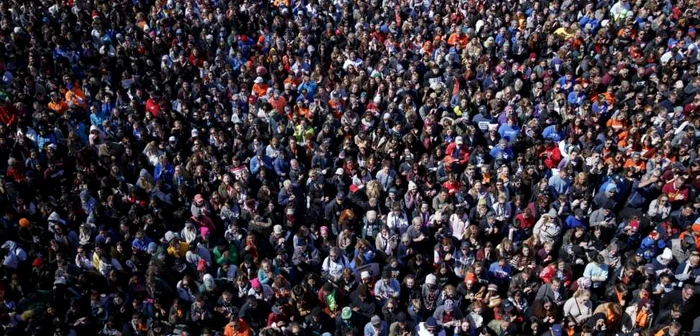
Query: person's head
x=688, y=291
x=556, y=284
x=431, y=325
x=547, y=303
x=409, y=281
x=586, y=331
x=362, y=292
x=676, y=310
x=582, y=296
x=674, y=329
x=694, y=259
x=334, y=254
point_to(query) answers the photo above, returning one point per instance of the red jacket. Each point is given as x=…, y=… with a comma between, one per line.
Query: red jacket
x=550, y=156
x=7, y=115
x=462, y=157
x=549, y=272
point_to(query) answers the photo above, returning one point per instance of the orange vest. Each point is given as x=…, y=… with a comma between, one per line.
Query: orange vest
x=58, y=107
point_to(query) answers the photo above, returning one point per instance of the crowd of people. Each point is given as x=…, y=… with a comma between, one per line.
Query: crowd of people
x=348, y=168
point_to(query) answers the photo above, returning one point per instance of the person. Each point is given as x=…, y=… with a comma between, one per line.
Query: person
x=236, y=327
x=684, y=296
x=429, y=328
x=376, y=327
x=579, y=306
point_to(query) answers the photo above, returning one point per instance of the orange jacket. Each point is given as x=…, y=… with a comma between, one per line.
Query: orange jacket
x=617, y=125
x=260, y=89
x=58, y=107
x=640, y=164
x=243, y=329
x=76, y=96
x=278, y=104
x=454, y=39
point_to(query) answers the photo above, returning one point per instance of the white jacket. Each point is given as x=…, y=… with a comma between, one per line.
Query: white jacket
x=14, y=256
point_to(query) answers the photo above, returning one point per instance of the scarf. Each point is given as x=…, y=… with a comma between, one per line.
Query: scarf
x=641, y=320
x=619, y=295
x=330, y=301
x=610, y=317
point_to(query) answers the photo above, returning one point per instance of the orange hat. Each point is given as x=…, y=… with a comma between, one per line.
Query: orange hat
x=470, y=277
x=23, y=222
x=695, y=228
x=261, y=39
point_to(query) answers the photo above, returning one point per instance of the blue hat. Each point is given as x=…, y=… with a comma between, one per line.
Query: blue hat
x=610, y=187
x=556, y=330
x=431, y=322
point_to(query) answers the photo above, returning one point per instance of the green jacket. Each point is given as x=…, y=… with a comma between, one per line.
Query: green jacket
x=232, y=255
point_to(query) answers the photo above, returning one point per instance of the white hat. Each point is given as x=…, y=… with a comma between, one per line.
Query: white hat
x=168, y=237
x=277, y=228
x=55, y=218
x=258, y=80
x=364, y=275
x=459, y=140
x=668, y=255
x=430, y=279
x=339, y=171
x=194, y=133
x=412, y=185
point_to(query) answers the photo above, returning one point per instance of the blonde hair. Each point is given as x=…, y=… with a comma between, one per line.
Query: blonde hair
x=374, y=189
x=582, y=292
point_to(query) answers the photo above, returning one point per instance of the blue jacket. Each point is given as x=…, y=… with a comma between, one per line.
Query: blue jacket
x=573, y=222
x=141, y=245
x=165, y=173
x=551, y=133
x=257, y=163
x=504, y=154
x=281, y=166
x=508, y=132
x=500, y=275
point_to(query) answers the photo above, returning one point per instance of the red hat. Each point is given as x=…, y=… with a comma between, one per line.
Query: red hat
x=633, y=224
x=533, y=56
x=38, y=261
x=654, y=235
